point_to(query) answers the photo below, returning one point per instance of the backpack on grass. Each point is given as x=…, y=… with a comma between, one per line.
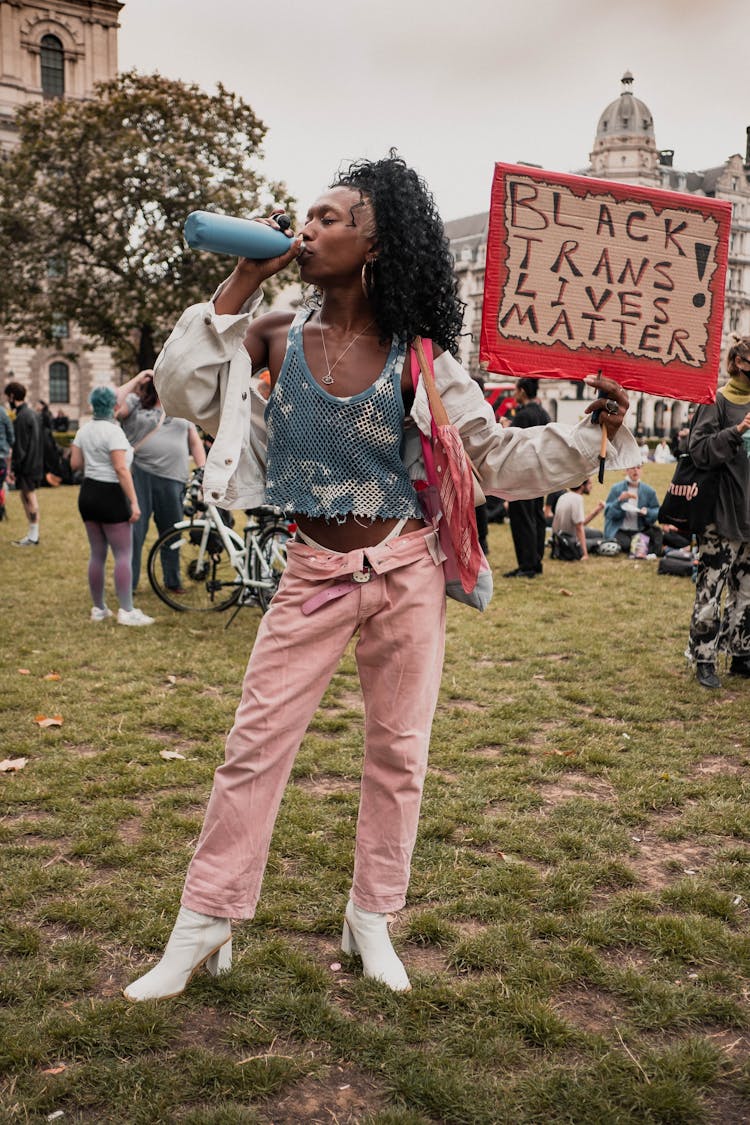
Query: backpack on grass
x=565, y=546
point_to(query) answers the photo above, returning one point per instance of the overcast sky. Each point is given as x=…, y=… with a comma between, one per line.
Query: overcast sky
x=455, y=86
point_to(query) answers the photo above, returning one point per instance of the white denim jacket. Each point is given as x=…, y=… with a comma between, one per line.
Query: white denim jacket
x=204, y=374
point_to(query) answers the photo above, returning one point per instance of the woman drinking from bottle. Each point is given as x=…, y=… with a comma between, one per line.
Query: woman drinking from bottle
x=338, y=447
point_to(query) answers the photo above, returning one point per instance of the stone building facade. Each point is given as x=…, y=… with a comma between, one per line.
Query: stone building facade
x=625, y=150
x=48, y=50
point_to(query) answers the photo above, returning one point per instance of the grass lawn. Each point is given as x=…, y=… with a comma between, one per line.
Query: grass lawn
x=577, y=927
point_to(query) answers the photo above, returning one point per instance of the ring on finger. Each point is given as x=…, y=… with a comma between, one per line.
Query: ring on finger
x=611, y=407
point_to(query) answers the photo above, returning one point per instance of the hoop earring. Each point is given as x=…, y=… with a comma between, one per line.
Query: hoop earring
x=368, y=278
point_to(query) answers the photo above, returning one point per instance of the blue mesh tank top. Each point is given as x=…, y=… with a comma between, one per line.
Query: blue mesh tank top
x=334, y=457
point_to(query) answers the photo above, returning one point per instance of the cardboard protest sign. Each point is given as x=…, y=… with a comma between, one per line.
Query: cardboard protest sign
x=588, y=275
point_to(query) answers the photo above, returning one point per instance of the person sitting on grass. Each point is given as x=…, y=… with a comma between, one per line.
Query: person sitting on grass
x=632, y=506
x=570, y=519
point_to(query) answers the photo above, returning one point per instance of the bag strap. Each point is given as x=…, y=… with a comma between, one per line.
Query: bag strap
x=150, y=433
x=426, y=366
x=416, y=368
x=422, y=361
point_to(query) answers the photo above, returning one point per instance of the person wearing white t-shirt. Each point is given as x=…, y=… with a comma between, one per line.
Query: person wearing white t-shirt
x=570, y=516
x=663, y=454
x=108, y=505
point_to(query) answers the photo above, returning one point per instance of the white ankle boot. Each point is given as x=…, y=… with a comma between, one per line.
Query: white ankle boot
x=367, y=934
x=196, y=940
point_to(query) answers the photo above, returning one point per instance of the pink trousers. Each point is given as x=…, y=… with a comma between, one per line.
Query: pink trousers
x=399, y=612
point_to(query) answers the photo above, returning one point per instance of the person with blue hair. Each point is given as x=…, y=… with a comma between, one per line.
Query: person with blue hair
x=108, y=505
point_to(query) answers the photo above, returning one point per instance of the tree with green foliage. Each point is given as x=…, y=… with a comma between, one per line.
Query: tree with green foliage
x=92, y=204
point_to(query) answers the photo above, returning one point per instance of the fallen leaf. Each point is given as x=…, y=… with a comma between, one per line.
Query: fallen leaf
x=170, y=755
x=53, y=676
x=11, y=764
x=24, y=671
x=55, y=1070
x=49, y=721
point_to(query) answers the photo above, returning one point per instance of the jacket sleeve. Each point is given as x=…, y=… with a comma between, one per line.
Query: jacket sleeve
x=652, y=505
x=613, y=510
x=8, y=427
x=192, y=369
x=22, y=443
x=519, y=464
x=710, y=444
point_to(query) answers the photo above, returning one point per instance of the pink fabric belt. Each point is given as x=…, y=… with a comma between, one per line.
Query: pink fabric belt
x=355, y=568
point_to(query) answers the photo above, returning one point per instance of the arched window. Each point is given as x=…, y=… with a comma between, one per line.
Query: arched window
x=660, y=409
x=53, y=67
x=59, y=382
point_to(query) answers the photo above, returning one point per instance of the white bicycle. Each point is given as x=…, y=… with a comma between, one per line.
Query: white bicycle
x=219, y=567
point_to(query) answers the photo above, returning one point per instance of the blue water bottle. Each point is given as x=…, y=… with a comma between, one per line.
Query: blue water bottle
x=243, y=238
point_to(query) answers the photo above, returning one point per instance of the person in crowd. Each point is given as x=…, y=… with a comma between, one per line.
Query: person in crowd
x=683, y=435
x=108, y=505
x=550, y=503
x=52, y=459
x=643, y=447
x=44, y=412
x=720, y=437
x=60, y=423
x=662, y=453
x=6, y=445
x=631, y=507
x=570, y=517
x=481, y=510
x=27, y=462
x=340, y=452
x=527, y=523
x=162, y=447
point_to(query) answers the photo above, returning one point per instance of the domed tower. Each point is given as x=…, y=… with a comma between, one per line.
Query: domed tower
x=625, y=147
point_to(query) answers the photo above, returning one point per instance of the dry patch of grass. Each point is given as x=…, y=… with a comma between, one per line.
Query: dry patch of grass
x=345, y=1095
x=325, y=786
x=571, y=785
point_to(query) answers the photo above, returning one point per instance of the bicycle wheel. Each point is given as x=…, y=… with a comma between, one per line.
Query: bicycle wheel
x=209, y=581
x=269, y=561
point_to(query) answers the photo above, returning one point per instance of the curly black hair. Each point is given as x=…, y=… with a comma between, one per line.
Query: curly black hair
x=414, y=289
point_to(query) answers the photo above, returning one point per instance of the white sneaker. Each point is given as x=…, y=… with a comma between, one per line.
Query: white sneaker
x=100, y=614
x=133, y=617
x=25, y=542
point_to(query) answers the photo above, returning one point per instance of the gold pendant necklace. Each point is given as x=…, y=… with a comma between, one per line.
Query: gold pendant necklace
x=328, y=377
